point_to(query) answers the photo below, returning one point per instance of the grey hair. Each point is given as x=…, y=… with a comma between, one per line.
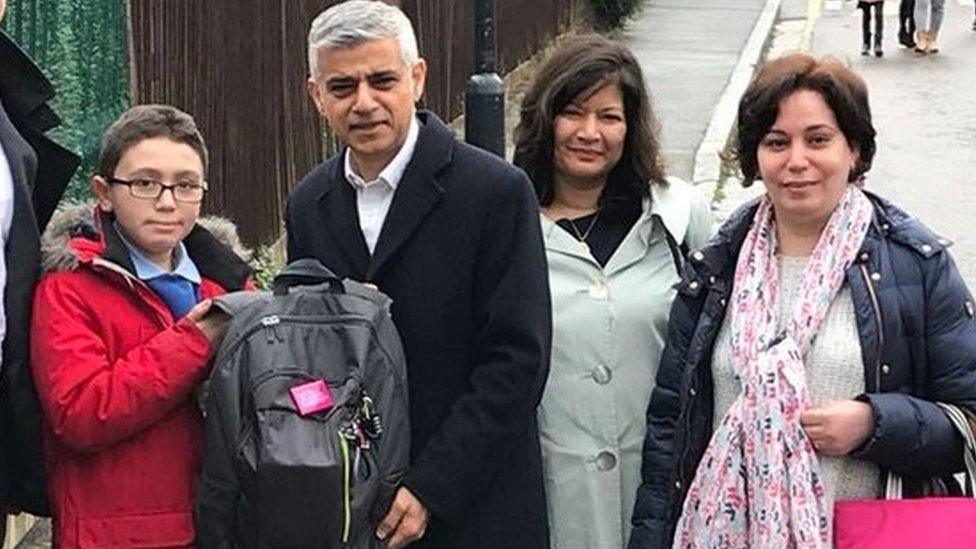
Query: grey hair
x=354, y=22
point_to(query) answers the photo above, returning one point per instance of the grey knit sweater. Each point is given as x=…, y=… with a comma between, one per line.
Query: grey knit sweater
x=835, y=371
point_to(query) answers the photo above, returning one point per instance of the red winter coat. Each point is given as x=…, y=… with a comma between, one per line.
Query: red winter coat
x=116, y=377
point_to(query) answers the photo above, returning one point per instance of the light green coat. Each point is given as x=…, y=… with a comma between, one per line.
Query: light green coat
x=609, y=327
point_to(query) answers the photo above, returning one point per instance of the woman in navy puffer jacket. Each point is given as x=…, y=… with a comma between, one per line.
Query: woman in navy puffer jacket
x=913, y=315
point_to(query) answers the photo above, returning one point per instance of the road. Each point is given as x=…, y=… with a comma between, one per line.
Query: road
x=924, y=110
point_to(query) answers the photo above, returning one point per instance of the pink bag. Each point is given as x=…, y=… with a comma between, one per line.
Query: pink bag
x=893, y=523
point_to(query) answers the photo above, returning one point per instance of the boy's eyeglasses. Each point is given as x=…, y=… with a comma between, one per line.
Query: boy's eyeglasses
x=151, y=189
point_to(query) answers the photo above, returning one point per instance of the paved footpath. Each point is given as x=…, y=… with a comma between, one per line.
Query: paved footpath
x=689, y=50
x=925, y=112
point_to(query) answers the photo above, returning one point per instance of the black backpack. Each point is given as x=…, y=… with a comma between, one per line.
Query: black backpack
x=273, y=477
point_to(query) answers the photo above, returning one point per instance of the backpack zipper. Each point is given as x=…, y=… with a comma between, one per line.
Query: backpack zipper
x=271, y=322
x=346, y=489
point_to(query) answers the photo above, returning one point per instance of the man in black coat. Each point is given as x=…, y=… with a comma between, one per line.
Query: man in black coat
x=34, y=172
x=452, y=234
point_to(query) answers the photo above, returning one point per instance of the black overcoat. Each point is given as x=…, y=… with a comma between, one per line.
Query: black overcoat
x=40, y=169
x=461, y=255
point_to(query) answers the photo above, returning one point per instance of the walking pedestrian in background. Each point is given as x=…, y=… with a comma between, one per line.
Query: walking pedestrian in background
x=906, y=23
x=928, y=20
x=866, y=7
x=810, y=340
x=616, y=230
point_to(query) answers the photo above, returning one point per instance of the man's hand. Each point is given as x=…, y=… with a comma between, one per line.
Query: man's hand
x=837, y=428
x=214, y=326
x=406, y=521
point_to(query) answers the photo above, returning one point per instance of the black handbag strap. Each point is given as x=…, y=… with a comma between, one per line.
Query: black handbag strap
x=679, y=252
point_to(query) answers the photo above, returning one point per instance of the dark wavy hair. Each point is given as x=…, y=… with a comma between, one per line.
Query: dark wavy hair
x=841, y=88
x=577, y=70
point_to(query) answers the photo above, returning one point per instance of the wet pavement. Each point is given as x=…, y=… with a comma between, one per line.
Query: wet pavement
x=924, y=110
x=689, y=50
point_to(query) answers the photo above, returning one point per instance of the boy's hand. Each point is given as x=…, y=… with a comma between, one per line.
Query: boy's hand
x=212, y=324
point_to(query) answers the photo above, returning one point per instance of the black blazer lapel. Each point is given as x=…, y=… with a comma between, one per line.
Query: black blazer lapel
x=417, y=192
x=21, y=424
x=337, y=206
x=20, y=158
x=55, y=167
x=24, y=91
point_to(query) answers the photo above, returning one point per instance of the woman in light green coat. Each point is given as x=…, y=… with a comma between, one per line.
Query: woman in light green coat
x=616, y=231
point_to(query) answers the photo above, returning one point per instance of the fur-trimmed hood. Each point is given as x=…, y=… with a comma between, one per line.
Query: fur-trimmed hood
x=59, y=253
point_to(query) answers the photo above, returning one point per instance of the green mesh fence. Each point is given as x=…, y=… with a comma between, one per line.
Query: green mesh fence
x=81, y=46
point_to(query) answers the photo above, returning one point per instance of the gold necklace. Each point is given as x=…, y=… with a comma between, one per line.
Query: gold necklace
x=581, y=237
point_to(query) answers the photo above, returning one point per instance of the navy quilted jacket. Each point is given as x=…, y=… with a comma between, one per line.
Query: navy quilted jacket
x=918, y=339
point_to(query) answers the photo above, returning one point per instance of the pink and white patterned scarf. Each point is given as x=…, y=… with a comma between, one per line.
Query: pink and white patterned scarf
x=759, y=484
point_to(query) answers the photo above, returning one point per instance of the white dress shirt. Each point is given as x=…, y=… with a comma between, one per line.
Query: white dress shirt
x=6, y=217
x=373, y=198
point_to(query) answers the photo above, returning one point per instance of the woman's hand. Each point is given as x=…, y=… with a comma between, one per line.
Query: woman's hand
x=837, y=428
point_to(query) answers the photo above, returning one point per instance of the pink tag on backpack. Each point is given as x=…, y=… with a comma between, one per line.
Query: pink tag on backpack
x=311, y=397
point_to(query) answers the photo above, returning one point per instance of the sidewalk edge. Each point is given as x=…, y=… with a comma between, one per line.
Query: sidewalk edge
x=708, y=165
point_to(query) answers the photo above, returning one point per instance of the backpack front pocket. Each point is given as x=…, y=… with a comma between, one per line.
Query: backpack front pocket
x=303, y=470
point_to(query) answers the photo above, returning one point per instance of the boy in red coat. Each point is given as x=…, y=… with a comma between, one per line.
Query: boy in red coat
x=121, y=337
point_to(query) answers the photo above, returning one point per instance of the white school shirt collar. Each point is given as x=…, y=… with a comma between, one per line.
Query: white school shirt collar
x=146, y=269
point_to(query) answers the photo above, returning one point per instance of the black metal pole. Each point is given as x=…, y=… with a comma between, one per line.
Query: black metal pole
x=484, y=101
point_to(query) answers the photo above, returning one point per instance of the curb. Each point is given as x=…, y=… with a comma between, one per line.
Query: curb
x=708, y=165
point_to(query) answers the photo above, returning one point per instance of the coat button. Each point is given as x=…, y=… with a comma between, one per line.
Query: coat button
x=865, y=256
x=694, y=285
x=711, y=280
x=926, y=248
x=875, y=276
x=723, y=302
x=677, y=484
x=698, y=256
x=944, y=242
x=885, y=369
x=606, y=461
x=692, y=391
x=602, y=374
x=599, y=291
x=885, y=227
x=970, y=309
